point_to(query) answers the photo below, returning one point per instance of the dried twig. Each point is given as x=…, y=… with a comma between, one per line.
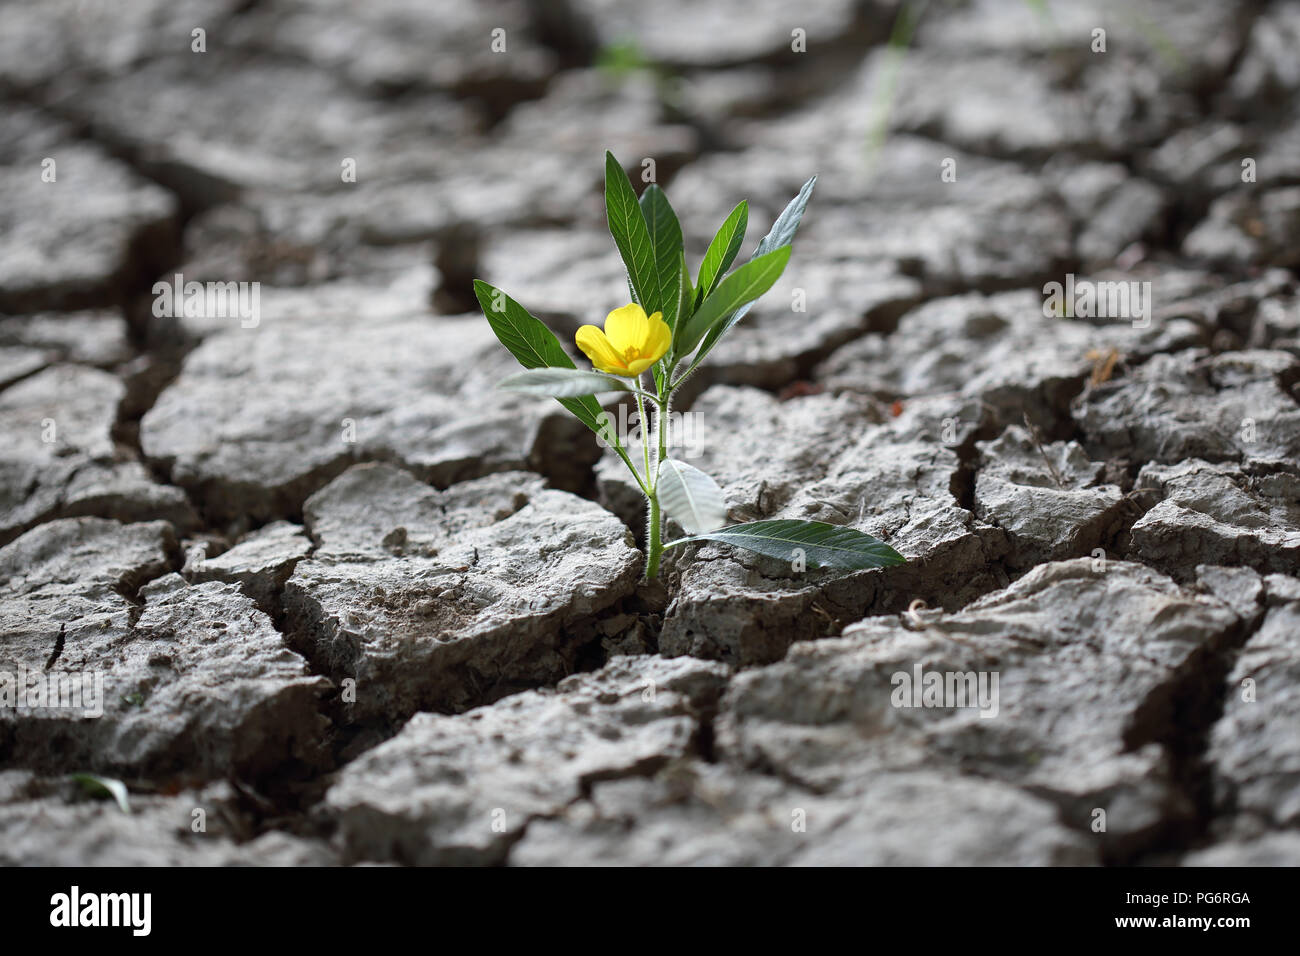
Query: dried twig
x=1033, y=436
x=1103, y=365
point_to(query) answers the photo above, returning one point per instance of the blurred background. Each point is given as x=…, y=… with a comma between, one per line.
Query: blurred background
x=476, y=132
x=377, y=156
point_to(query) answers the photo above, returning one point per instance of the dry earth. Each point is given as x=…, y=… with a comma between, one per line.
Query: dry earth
x=349, y=604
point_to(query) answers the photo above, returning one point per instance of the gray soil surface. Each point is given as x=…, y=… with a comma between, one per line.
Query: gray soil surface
x=350, y=604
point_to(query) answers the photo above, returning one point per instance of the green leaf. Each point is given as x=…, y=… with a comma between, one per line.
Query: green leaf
x=534, y=345
x=685, y=300
x=822, y=544
x=741, y=287
x=631, y=235
x=562, y=382
x=787, y=224
x=780, y=235
x=104, y=787
x=685, y=294
x=525, y=336
x=690, y=496
x=666, y=239
x=722, y=250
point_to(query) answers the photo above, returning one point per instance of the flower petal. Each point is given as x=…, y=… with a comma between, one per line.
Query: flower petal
x=637, y=366
x=661, y=337
x=597, y=347
x=628, y=328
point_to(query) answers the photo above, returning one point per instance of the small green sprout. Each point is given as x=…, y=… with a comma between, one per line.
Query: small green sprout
x=667, y=330
x=621, y=58
x=96, y=786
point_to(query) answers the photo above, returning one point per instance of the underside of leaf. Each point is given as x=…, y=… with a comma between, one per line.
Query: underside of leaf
x=817, y=543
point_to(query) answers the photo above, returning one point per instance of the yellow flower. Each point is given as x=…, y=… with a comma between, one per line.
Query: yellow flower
x=631, y=343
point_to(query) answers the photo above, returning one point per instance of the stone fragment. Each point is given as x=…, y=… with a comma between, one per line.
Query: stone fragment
x=1274, y=849
x=288, y=404
x=683, y=34
x=1001, y=349
x=996, y=106
x=814, y=308
x=1001, y=79
x=1235, y=406
x=1248, y=227
x=17, y=362
x=1254, y=748
x=76, y=226
x=1201, y=41
x=1215, y=513
x=260, y=563
x=1113, y=208
x=994, y=227
x=1267, y=72
x=1049, y=499
x=197, y=685
x=1090, y=662
x=490, y=50
x=432, y=599
x=68, y=581
x=1241, y=588
x=561, y=140
x=433, y=185
x=97, y=337
x=564, y=277
x=257, y=130
x=1277, y=325
x=60, y=458
x=707, y=815
x=288, y=240
x=53, y=822
x=72, y=40
x=463, y=789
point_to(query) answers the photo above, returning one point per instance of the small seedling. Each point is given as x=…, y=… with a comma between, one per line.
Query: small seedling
x=104, y=787
x=667, y=330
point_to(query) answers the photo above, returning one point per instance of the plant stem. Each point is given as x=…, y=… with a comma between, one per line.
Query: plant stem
x=654, y=528
x=653, y=545
x=645, y=441
x=661, y=429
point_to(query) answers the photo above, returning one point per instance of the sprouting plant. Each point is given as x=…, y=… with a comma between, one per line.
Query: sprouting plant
x=622, y=57
x=96, y=786
x=667, y=330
